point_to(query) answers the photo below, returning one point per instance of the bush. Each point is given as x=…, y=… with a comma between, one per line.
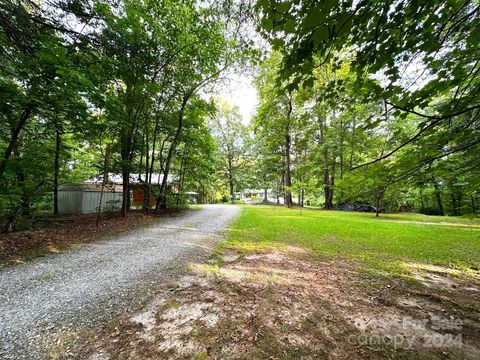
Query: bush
x=314, y=201
x=112, y=206
x=179, y=200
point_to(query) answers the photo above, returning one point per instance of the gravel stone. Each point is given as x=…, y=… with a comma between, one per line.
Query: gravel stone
x=61, y=297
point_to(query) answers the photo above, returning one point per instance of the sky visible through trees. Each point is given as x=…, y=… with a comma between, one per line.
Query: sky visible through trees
x=371, y=103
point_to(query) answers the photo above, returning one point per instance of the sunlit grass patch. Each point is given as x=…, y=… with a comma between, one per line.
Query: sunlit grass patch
x=453, y=220
x=382, y=244
x=207, y=269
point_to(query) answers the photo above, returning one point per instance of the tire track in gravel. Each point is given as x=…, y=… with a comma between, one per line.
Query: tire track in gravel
x=67, y=297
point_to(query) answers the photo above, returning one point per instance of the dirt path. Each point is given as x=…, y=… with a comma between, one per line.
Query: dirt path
x=50, y=305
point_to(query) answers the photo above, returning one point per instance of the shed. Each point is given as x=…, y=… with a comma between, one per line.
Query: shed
x=85, y=198
x=192, y=197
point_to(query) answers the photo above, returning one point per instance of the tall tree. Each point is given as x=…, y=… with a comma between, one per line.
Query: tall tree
x=231, y=136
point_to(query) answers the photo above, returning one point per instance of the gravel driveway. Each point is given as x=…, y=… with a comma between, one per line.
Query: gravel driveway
x=50, y=305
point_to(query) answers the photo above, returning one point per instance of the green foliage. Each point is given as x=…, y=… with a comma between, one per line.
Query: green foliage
x=94, y=87
x=364, y=152
x=401, y=84
x=386, y=38
x=232, y=138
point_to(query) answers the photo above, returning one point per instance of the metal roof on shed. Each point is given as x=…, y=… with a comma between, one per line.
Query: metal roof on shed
x=90, y=187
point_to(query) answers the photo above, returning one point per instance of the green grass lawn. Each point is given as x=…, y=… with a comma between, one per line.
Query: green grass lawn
x=388, y=243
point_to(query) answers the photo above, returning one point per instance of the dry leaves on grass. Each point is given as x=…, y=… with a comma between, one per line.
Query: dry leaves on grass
x=282, y=305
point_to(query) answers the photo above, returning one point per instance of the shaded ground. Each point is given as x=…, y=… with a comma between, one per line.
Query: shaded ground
x=289, y=304
x=51, y=305
x=53, y=234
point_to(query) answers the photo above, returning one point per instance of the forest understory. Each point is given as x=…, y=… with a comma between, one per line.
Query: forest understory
x=53, y=234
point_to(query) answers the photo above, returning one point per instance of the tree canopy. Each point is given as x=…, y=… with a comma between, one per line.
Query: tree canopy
x=397, y=79
x=360, y=102
x=99, y=87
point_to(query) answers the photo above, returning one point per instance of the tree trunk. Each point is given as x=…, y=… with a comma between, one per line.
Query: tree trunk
x=231, y=181
x=377, y=204
x=354, y=127
x=125, y=150
x=232, y=191
x=152, y=161
x=104, y=182
x=331, y=184
x=162, y=197
x=140, y=163
x=326, y=174
x=438, y=196
x=58, y=141
x=182, y=177
x=14, y=138
x=146, y=194
x=459, y=202
x=288, y=175
x=454, y=201
x=422, y=200
x=341, y=156
x=125, y=156
x=126, y=141
x=24, y=198
x=378, y=200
